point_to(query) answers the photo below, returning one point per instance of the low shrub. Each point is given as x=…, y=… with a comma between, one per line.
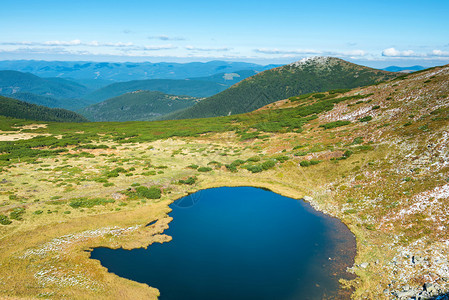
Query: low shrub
x=281, y=158
x=268, y=164
x=4, y=220
x=149, y=193
x=366, y=119
x=17, y=213
x=304, y=163
x=189, y=181
x=88, y=203
x=254, y=168
x=301, y=153
x=335, y=124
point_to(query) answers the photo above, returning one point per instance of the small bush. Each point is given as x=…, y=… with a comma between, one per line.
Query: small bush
x=304, y=163
x=253, y=159
x=17, y=213
x=189, y=181
x=101, y=180
x=281, y=158
x=108, y=184
x=268, y=164
x=38, y=212
x=301, y=153
x=365, y=119
x=193, y=166
x=4, y=220
x=88, y=203
x=215, y=163
x=335, y=124
x=314, y=162
x=347, y=153
x=255, y=168
x=318, y=96
x=149, y=173
x=375, y=107
x=232, y=168
x=204, y=169
x=149, y=193
x=357, y=141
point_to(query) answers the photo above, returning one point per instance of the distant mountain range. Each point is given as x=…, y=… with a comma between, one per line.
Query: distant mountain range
x=227, y=90
x=75, y=94
x=22, y=110
x=315, y=74
x=137, y=106
x=404, y=69
x=127, y=71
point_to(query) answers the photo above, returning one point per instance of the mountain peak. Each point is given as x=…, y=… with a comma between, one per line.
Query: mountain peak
x=321, y=60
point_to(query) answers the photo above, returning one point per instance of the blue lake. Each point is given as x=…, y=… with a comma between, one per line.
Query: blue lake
x=241, y=243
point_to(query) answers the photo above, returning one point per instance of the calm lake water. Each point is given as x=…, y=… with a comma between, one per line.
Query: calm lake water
x=241, y=243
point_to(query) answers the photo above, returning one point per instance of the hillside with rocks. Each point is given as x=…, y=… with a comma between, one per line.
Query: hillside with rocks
x=315, y=74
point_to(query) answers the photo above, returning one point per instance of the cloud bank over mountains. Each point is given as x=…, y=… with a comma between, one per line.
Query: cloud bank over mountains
x=178, y=49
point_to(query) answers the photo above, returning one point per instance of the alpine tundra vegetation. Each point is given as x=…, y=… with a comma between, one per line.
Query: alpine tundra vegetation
x=375, y=157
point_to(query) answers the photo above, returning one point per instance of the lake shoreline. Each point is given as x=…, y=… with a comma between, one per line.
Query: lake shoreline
x=305, y=206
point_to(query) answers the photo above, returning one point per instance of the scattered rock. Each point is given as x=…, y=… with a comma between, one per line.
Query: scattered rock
x=307, y=198
x=405, y=294
x=117, y=196
x=364, y=265
x=431, y=288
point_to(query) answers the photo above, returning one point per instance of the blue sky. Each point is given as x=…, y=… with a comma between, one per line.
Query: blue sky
x=376, y=33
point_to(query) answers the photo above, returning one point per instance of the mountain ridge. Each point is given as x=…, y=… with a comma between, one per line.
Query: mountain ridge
x=316, y=74
x=14, y=108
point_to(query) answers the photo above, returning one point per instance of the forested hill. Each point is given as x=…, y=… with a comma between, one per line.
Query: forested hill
x=137, y=106
x=315, y=74
x=194, y=88
x=14, y=82
x=22, y=110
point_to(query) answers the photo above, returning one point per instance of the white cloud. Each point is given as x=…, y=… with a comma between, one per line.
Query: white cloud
x=68, y=44
x=157, y=47
x=278, y=51
x=392, y=52
x=355, y=53
x=192, y=48
x=440, y=53
x=292, y=53
x=62, y=43
x=166, y=38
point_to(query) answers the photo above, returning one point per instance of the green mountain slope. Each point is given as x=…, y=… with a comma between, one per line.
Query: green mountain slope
x=135, y=106
x=22, y=110
x=229, y=78
x=194, y=88
x=309, y=75
x=12, y=82
x=71, y=104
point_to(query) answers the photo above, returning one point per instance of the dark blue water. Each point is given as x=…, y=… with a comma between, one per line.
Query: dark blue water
x=241, y=243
